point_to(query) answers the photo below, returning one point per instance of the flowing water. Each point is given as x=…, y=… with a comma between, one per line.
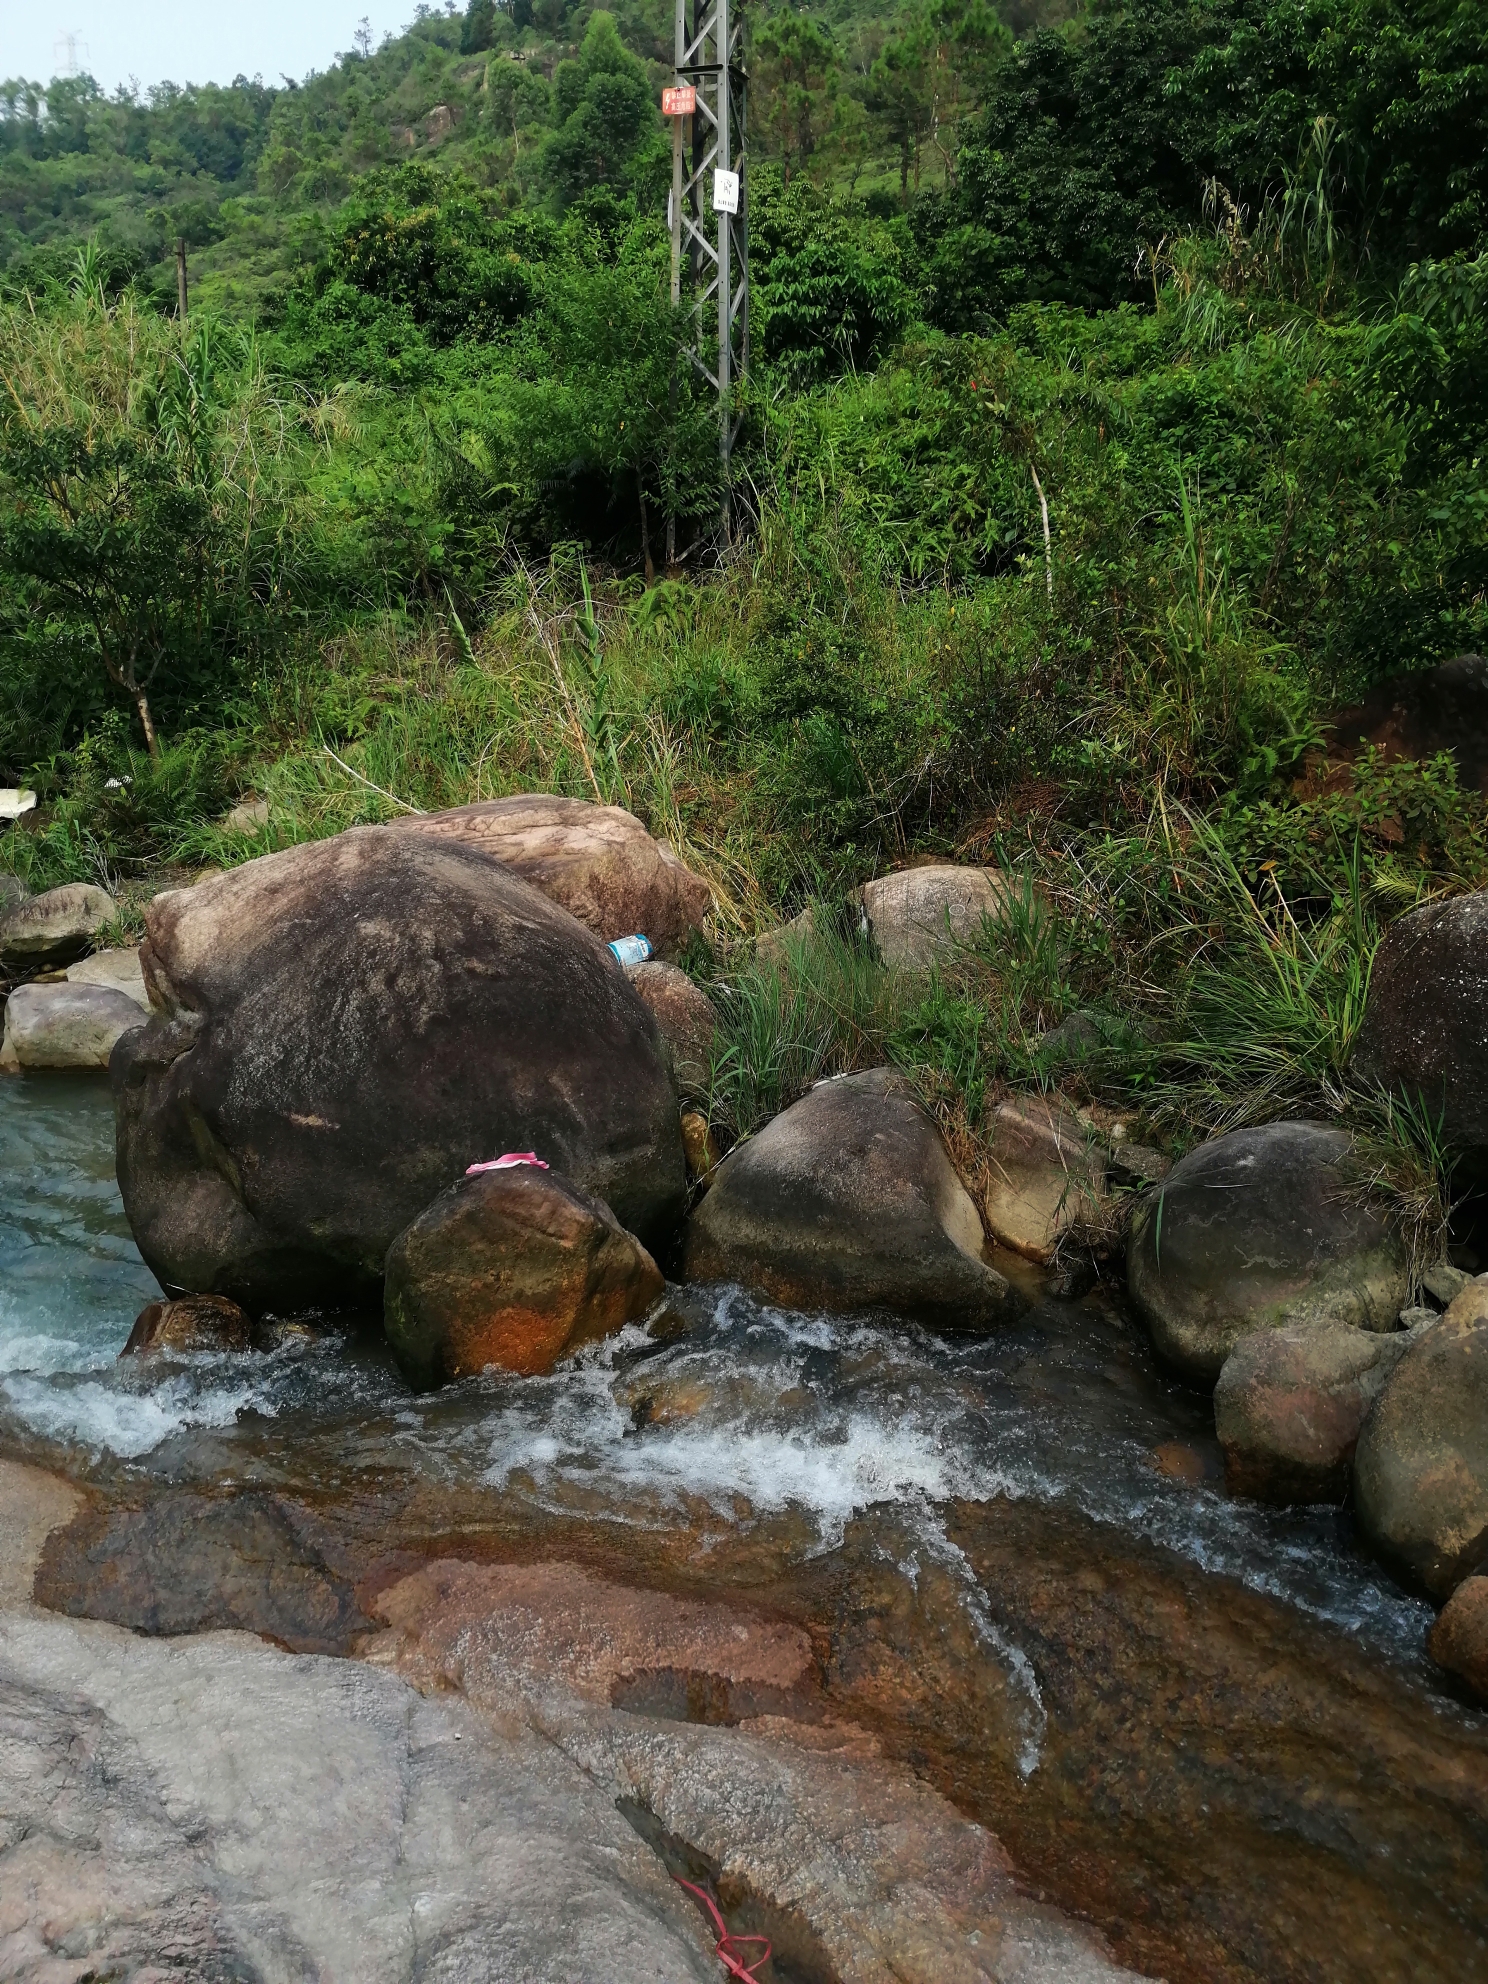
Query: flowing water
x=996, y=1476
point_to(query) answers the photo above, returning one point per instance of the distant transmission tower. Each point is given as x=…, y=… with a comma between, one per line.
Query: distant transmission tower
x=65, y=53
x=709, y=207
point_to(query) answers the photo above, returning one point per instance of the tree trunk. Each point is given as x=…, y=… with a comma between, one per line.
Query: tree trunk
x=645, y=532
x=152, y=738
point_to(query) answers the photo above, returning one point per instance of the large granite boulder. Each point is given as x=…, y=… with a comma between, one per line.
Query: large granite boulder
x=849, y=1201
x=1421, y=1468
x=685, y=1018
x=120, y=970
x=597, y=861
x=918, y=914
x=1425, y=1028
x=339, y=1031
x=1417, y=715
x=65, y=1025
x=41, y=933
x=1260, y=1229
x=1289, y=1405
x=514, y=1269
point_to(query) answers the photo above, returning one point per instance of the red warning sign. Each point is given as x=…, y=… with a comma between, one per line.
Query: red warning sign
x=680, y=102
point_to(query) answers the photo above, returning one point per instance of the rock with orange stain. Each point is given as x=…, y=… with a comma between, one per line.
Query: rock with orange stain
x=514, y=1269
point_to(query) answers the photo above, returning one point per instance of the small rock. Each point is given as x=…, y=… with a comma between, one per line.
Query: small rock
x=51, y=929
x=774, y=947
x=700, y=1146
x=15, y=800
x=1289, y=1405
x=66, y=1026
x=1444, y=1281
x=189, y=1323
x=919, y=914
x=849, y=1201
x=1258, y=1230
x=684, y=1017
x=514, y=1269
x=1048, y=1177
x=118, y=969
x=1459, y=1639
x=12, y=892
x=1418, y=1319
x=249, y=816
x=597, y=861
x=1421, y=1470
x=1137, y=1164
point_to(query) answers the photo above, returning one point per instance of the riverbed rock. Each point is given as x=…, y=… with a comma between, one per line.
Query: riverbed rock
x=1425, y=1027
x=41, y=933
x=1421, y=1469
x=190, y=1323
x=120, y=970
x=849, y=1201
x=685, y=1018
x=597, y=861
x=66, y=1026
x=1289, y=1405
x=1047, y=1177
x=1459, y=1639
x=919, y=914
x=1260, y=1229
x=514, y=1269
x=339, y=1030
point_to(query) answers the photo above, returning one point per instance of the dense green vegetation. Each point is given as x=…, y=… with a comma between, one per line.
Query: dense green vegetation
x=1117, y=410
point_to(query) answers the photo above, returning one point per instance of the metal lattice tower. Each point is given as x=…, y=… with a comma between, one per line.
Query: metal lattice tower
x=710, y=244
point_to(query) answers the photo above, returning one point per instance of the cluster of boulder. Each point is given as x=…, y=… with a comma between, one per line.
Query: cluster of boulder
x=404, y=1066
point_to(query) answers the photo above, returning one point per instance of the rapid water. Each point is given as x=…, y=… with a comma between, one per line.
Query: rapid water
x=739, y=1415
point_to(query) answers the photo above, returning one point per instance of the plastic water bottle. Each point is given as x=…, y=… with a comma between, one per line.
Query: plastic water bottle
x=632, y=950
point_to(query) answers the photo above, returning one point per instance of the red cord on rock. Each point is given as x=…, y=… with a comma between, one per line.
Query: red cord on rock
x=725, y=1950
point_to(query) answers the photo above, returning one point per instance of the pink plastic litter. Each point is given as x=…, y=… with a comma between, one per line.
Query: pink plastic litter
x=509, y=1162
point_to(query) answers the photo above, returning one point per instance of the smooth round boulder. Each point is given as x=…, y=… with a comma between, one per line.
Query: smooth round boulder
x=1421, y=1468
x=1260, y=1229
x=1425, y=1026
x=119, y=970
x=190, y=1323
x=513, y=1269
x=1459, y=1639
x=849, y=1201
x=599, y=862
x=66, y=1025
x=341, y=1029
x=918, y=914
x=684, y=1016
x=40, y=933
x=1289, y=1405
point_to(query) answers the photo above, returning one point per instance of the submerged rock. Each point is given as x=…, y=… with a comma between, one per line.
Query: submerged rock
x=1260, y=1229
x=514, y=1269
x=1459, y=1639
x=1047, y=1177
x=339, y=1031
x=918, y=914
x=190, y=1322
x=39, y=933
x=849, y=1201
x=597, y=861
x=1421, y=1469
x=120, y=971
x=1289, y=1405
x=1425, y=1028
x=66, y=1026
x=684, y=1016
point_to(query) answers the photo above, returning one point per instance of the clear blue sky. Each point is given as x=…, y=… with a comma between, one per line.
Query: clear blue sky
x=181, y=41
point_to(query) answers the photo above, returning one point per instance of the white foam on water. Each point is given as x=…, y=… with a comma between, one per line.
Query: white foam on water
x=108, y=1418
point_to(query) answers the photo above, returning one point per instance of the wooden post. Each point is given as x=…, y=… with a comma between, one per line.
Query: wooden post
x=181, y=277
